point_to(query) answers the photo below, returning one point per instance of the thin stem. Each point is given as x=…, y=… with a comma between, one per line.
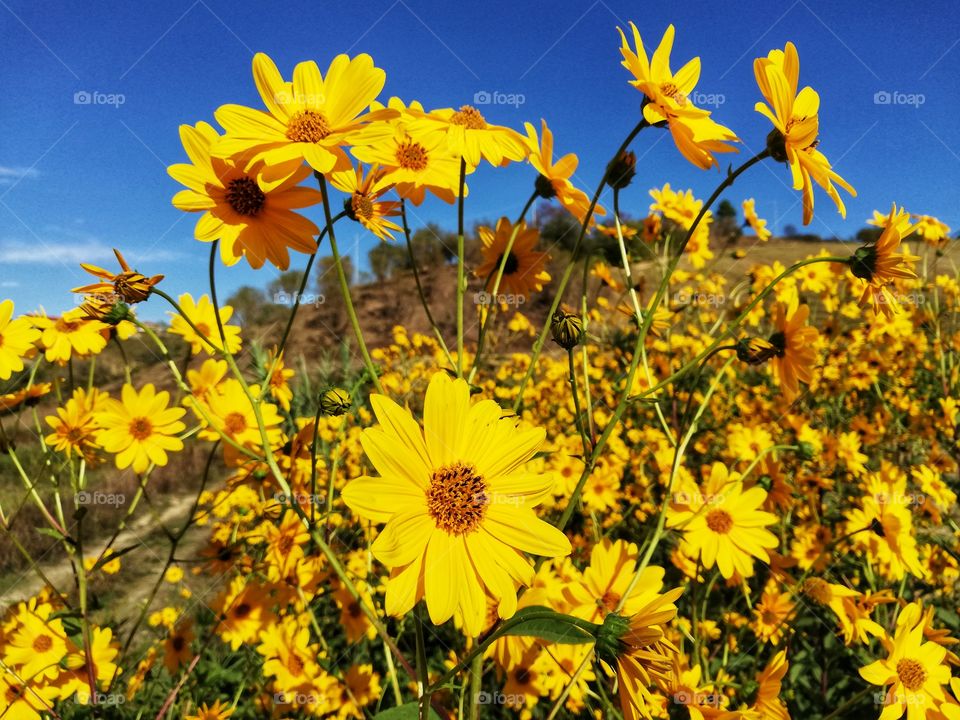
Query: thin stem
x=423, y=674
x=345, y=287
x=461, y=276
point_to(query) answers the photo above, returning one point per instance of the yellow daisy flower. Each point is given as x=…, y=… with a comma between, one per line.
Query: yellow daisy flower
x=758, y=224
x=17, y=336
x=457, y=504
x=364, y=204
x=202, y=314
x=140, y=428
x=72, y=334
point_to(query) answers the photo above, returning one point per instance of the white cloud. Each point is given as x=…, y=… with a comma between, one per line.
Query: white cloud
x=10, y=175
x=9, y=284
x=91, y=250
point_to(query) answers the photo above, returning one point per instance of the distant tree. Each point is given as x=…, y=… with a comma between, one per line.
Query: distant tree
x=433, y=246
x=868, y=234
x=248, y=304
x=725, y=227
x=789, y=231
x=328, y=283
x=287, y=282
x=558, y=228
x=386, y=259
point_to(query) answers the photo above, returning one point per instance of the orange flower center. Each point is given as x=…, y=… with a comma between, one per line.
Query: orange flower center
x=141, y=428
x=818, y=590
x=242, y=610
x=245, y=196
x=308, y=126
x=411, y=155
x=42, y=643
x=457, y=499
x=295, y=665
x=362, y=206
x=469, y=117
x=67, y=326
x=672, y=91
x=719, y=521
x=911, y=674
x=235, y=423
x=203, y=328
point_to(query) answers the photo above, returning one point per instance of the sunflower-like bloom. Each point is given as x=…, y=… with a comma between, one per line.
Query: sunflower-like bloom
x=457, y=503
x=878, y=265
x=251, y=216
x=758, y=224
x=471, y=137
x=71, y=334
x=723, y=525
x=525, y=270
x=796, y=126
x=414, y=161
x=75, y=426
x=217, y=711
x=364, y=204
x=27, y=397
x=140, y=428
x=127, y=286
x=17, y=336
x=309, y=118
x=554, y=178
x=635, y=646
x=696, y=135
x=204, y=318
x=914, y=671
x=770, y=681
x=934, y=232
x=793, y=341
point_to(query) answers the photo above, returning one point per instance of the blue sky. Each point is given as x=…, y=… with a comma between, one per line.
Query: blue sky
x=79, y=178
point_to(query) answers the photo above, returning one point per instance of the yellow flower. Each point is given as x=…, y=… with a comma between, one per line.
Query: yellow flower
x=71, y=334
x=19, y=701
x=771, y=614
x=414, y=163
x=554, y=178
x=696, y=135
x=140, y=428
x=525, y=269
x=758, y=224
x=201, y=313
x=176, y=648
x=796, y=126
x=37, y=647
x=27, y=397
x=723, y=524
x=768, y=703
x=244, y=607
x=471, y=137
x=251, y=216
x=277, y=382
x=457, y=504
x=878, y=265
x=233, y=415
x=309, y=119
x=364, y=204
x=16, y=340
x=127, y=285
x=74, y=425
x=914, y=670
x=934, y=232
x=217, y=711
x=793, y=341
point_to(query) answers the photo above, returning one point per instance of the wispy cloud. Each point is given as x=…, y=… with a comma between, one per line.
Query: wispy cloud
x=91, y=250
x=10, y=174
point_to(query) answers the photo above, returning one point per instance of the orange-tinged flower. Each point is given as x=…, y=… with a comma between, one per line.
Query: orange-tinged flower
x=127, y=285
x=794, y=346
x=364, y=204
x=525, y=269
x=251, y=216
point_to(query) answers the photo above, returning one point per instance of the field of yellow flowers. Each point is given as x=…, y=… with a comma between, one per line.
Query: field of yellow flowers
x=666, y=507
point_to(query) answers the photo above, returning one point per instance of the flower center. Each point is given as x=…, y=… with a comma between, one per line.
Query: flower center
x=818, y=590
x=295, y=665
x=178, y=643
x=911, y=674
x=245, y=196
x=67, y=326
x=42, y=643
x=719, y=521
x=411, y=156
x=469, y=117
x=512, y=264
x=141, y=428
x=308, y=126
x=235, y=423
x=457, y=499
x=242, y=610
x=673, y=92
x=203, y=328
x=361, y=206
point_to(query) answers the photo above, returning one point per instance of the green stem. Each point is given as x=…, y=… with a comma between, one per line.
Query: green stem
x=345, y=287
x=461, y=276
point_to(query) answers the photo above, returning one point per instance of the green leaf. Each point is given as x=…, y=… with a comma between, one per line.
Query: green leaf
x=549, y=625
x=410, y=711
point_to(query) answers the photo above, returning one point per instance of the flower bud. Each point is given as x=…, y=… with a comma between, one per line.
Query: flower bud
x=566, y=328
x=777, y=145
x=544, y=187
x=755, y=351
x=621, y=169
x=335, y=401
